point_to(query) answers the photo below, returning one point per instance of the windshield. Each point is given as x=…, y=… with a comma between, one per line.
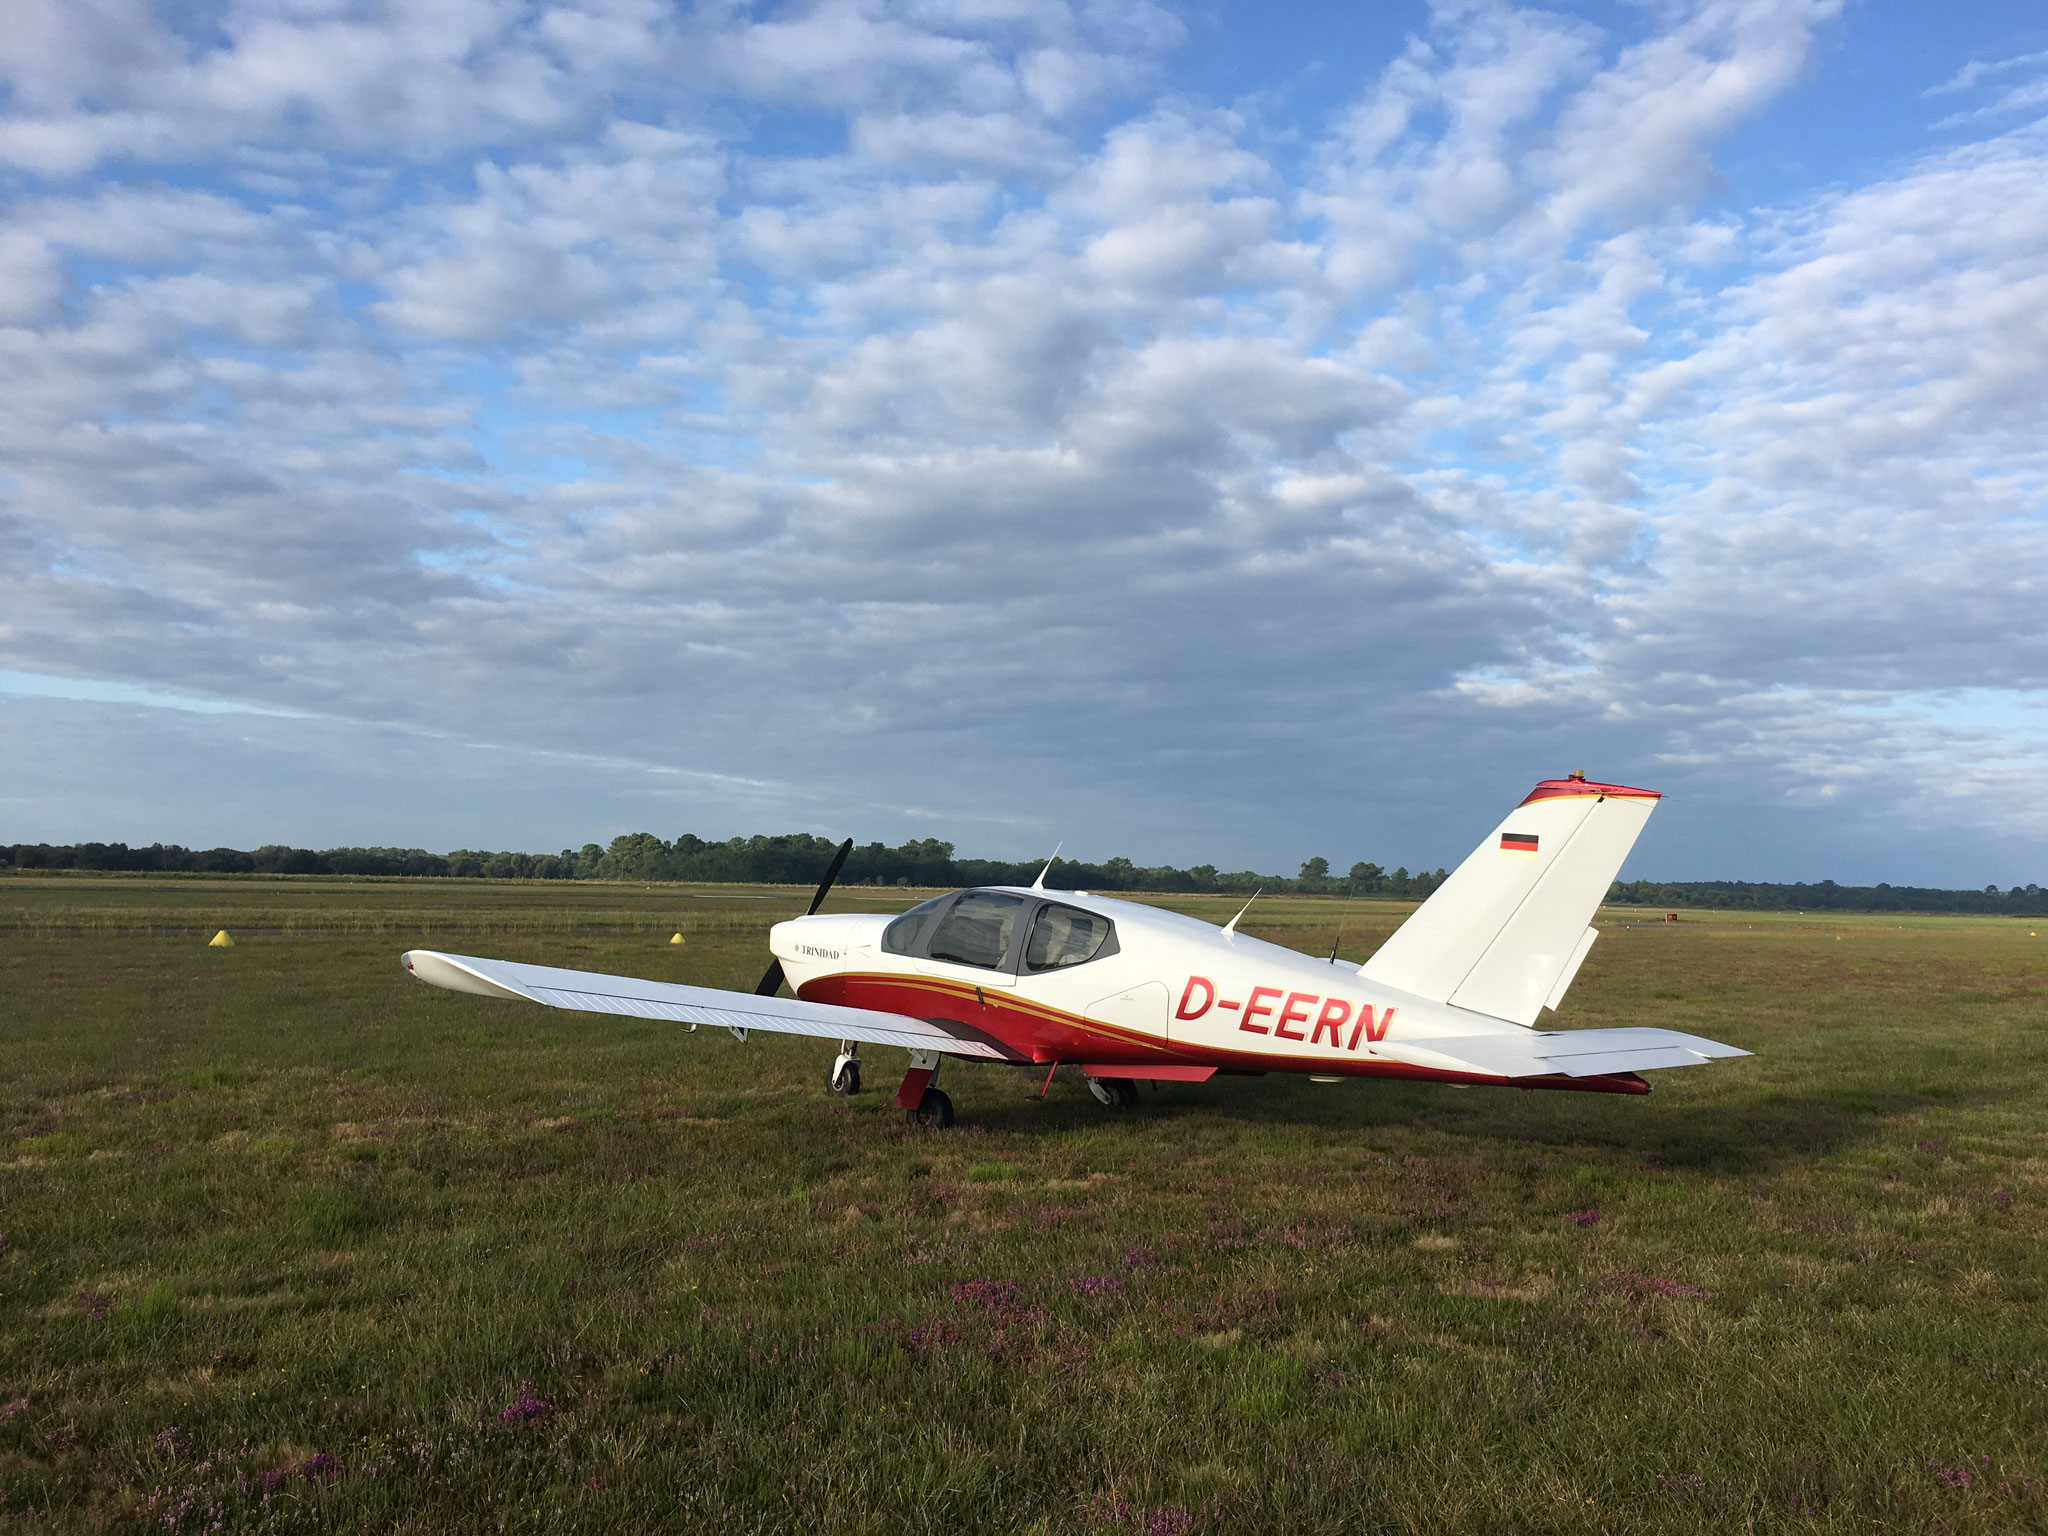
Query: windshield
x=900, y=937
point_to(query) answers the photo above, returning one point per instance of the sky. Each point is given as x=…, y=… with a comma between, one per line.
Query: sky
x=1216, y=433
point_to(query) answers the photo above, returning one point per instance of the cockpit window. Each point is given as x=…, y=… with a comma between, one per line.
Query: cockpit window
x=977, y=931
x=1063, y=936
x=900, y=937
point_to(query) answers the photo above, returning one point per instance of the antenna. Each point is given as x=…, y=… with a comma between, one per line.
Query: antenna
x=1230, y=928
x=1039, y=883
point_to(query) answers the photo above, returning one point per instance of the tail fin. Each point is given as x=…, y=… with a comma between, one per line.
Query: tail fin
x=1505, y=934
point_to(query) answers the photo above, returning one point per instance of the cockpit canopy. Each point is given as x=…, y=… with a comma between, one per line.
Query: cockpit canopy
x=1001, y=931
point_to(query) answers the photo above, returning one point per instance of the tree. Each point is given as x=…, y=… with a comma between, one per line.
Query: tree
x=1367, y=878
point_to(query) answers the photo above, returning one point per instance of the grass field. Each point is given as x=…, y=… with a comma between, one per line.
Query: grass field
x=292, y=1242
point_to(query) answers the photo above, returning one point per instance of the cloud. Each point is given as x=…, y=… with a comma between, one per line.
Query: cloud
x=932, y=411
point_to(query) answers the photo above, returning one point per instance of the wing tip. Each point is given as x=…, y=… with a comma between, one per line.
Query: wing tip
x=452, y=975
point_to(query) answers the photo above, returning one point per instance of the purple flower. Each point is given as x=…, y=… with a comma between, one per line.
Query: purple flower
x=1140, y=1258
x=96, y=1306
x=1109, y=1509
x=991, y=1295
x=526, y=1407
x=1962, y=1475
x=1169, y=1520
x=10, y=1410
x=173, y=1444
x=317, y=1468
x=1639, y=1286
x=1585, y=1218
x=1683, y=1485
x=2002, y=1199
x=1093, y=1285
x=926, y=1337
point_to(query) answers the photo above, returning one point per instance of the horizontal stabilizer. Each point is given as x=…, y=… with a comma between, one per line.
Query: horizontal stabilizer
x=1572, y=1052
x=594, y=992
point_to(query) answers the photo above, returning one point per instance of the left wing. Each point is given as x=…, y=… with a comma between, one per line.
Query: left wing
x=593, y=992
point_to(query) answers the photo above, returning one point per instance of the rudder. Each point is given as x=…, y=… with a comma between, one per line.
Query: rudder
x=1505, y=934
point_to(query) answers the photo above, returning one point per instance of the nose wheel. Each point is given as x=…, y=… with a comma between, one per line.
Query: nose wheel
x=845, y=1078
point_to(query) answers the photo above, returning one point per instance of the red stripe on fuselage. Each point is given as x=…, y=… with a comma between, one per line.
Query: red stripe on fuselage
x=1036, y=1032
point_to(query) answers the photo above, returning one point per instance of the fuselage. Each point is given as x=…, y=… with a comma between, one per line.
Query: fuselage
x=1133, y=990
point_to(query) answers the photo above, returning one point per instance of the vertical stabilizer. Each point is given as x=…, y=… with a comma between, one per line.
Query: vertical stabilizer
x=1507, y=932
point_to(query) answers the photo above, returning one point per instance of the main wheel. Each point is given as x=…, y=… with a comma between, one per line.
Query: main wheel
x=1105, y=1092
x=1126, y=1092
x=934, y=1110
x=847, y=1079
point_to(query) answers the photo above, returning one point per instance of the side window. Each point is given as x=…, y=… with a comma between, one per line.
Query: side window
x=1063, y=936
x=900, y=937
x=977, y=931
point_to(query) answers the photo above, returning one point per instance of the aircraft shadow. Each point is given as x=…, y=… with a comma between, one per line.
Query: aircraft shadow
x=1732, y=1136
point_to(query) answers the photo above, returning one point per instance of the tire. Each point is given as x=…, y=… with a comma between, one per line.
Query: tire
x=934, y=1111
x=1104, y=1092
x=847, y=1080
x=1126, y=1093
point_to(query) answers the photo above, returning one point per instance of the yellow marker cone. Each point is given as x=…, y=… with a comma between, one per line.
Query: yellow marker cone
x=675, y=938
x=220, y=941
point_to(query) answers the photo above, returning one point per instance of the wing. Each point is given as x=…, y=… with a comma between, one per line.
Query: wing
x=1571, y=1052
x=593, y=992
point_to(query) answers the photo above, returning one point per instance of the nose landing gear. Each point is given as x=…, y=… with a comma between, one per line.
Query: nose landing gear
x=845, y=1078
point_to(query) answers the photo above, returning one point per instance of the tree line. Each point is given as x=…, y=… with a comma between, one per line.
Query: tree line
x=799, y=858
x=795, y=858
x=1826, y=896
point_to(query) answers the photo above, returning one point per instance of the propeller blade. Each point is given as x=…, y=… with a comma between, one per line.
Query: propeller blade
x=771, y=979
x=838, y=863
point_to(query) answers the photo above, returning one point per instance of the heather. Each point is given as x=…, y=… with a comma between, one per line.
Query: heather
x=291, y=1243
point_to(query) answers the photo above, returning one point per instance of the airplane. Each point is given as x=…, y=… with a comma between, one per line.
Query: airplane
x=1131, y=993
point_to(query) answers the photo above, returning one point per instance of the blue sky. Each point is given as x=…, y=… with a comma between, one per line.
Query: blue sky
x=1206, y=433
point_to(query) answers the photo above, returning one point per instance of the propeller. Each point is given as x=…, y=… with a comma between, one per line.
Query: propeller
x=771, y=979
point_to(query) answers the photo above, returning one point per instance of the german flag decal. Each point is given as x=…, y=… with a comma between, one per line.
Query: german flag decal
x=1521, y=843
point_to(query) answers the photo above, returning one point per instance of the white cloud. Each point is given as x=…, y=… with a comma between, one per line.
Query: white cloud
x=916, y=406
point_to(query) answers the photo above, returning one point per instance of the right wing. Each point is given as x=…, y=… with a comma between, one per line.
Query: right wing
x=1570, y=1052
x=594, y=992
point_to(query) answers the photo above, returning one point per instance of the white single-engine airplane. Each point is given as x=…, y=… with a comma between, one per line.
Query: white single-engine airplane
x=1132, y=993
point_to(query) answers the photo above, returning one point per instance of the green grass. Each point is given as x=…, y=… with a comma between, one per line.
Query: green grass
x=292, y=1242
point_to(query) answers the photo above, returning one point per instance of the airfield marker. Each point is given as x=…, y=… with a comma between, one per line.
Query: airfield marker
x=220, y=941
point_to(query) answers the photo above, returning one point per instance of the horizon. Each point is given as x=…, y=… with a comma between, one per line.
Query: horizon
x=1339, y=871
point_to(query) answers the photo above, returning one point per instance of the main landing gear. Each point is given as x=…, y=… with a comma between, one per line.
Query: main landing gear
x=934, y=1110
x=1113, y=1092
x=921, y=1103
